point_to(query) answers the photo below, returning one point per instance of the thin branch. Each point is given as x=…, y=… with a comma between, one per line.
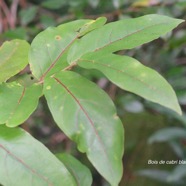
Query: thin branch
x=1, y=21
x=69, y=67
x=5, y=9
x=13, y=12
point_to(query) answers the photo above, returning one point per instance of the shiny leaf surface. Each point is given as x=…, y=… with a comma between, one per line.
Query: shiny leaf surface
x=123, y=34
x=13, y=58
x=87, y=115
x=129, y=74
x=47, y=54
x=17, y=102
x=26, y=162
x=81, y=173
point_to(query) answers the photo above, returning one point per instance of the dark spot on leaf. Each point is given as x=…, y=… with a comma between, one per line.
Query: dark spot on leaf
x=58, y=37
x=31, y=77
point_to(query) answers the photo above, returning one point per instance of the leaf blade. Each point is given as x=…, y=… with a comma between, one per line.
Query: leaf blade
x=19, y=161
x=13, y=58
x=18, y=102
x=80, y=172
x=49, y=47
x=88, y=119
x=167, y=134
x=123, y=34
x=131, y=75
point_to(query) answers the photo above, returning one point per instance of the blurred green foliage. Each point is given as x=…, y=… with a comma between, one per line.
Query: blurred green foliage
x=152, y=132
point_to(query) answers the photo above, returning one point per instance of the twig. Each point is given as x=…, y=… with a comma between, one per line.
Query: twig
x=1, y=21
x=13, y=12
x=5, y=9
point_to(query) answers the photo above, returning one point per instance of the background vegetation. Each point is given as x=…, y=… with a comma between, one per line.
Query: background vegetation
x=152, y=132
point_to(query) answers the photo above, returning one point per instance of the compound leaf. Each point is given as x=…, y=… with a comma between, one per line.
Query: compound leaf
x=129, y=74
x=13, y=58
x=25, y=161
x=87, y=116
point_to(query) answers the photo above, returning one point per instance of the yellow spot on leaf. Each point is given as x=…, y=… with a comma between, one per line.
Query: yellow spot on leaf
x=82, y=126
x=89, y=149
x=58, y=37
x=136, y=65
x=115, y=116
x=99, y=128
x=143, y=75
x=48, y=87
x=78, y=132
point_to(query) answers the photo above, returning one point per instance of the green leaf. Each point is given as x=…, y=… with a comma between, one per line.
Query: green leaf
x=158, y=175
x=13, y=58
x=129, y=74
x=168, y=134
x=87, y=116
x=47, y=54
x=123, y=34
x=24, y=161
x=54, y=4
x=94, y=3
x=17, y=102
x=47, y=21
x=178, y=173
x=81, y=173
x=27, y=15
x=92, y=25
x=17, y=33
x=25, y=80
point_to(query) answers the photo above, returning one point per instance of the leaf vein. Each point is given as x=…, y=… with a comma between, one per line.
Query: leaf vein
x=25, y=165
x=58, y=57
x=86, y=114
x=119, y=39
x=120, y=71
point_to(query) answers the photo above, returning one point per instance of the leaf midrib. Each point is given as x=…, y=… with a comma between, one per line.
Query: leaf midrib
x=73, y=173
x=111, y=42
x=6, y=59
x=86, y=114
x=118, y=70
x=17, y=105
x=57, y=58
x=34, y=172
x=119, y=39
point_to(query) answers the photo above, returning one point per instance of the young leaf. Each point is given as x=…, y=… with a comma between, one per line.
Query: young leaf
x=13, y=58
x=81, y=173
x=92, y=25
x=87, y=116
x=25, y=161
x=49, y=47
x=17, y=102
x=123, y=34
x=127, y=73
